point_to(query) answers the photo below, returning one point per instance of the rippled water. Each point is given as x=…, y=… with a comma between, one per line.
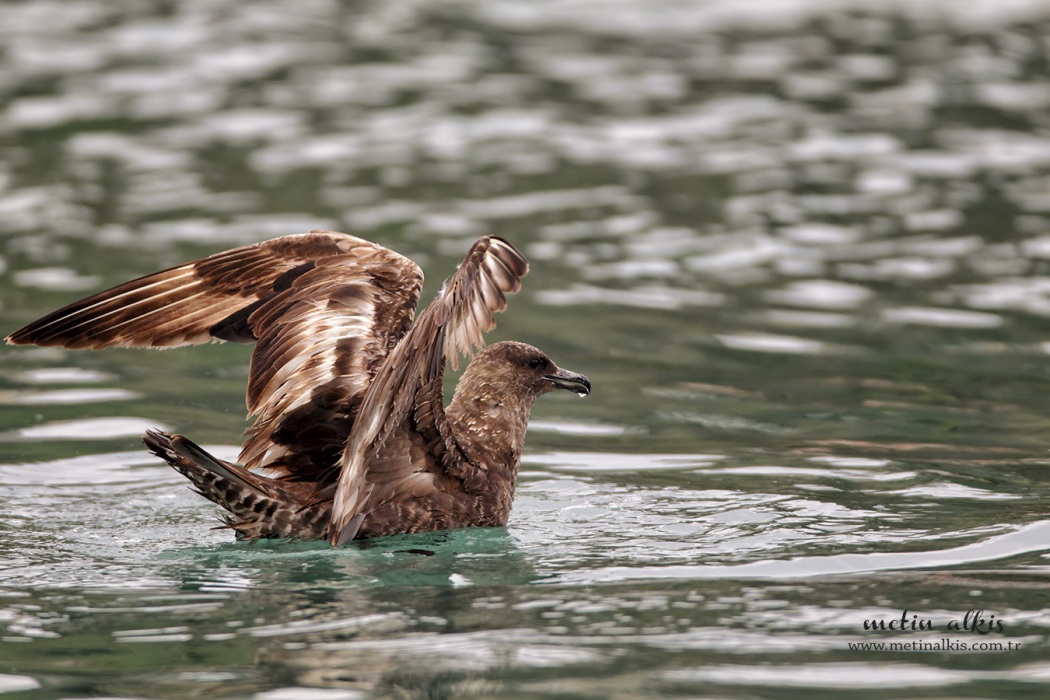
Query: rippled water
x=802, y=249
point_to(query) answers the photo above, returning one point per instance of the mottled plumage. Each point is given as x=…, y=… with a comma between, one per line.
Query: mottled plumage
x=351, y=437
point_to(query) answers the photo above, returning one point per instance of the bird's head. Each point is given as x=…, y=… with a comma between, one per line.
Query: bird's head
x=519, y=371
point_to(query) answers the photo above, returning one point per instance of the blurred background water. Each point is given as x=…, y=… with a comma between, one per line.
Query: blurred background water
x=801, y=247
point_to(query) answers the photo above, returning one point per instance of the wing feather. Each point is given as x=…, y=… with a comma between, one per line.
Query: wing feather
x=179, y=305
x=407, y=386
x=324, y=308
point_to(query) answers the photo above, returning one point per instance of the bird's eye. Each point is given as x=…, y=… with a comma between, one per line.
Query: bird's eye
x=537, y=362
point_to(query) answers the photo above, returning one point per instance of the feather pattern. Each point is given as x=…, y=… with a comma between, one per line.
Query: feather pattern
x=453, y=323
x=346, y=391
x=324, y=308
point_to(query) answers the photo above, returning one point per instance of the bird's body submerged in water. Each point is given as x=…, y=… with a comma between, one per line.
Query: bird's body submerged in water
x=351, y=436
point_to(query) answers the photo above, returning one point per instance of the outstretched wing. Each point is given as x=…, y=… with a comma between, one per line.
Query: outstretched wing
x=402, y=415
x=324, y=309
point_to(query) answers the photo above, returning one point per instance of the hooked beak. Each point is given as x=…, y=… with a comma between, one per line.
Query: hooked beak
x=573, y=381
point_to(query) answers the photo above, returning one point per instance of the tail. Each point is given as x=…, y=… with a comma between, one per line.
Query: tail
x=259, y=508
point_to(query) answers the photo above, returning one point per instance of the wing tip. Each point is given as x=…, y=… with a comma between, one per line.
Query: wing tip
x=29, y=336
x=509, y=255
x=338, y=535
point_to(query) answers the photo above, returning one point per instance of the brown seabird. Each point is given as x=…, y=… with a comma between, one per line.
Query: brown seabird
x=351, y=437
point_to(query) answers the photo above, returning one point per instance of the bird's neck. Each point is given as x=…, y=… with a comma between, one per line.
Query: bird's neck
x=490, y=425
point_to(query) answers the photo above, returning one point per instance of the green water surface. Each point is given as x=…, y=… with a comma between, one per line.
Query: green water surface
x=801, y=249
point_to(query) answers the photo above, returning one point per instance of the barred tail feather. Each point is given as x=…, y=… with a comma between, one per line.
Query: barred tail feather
x=259, y=508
